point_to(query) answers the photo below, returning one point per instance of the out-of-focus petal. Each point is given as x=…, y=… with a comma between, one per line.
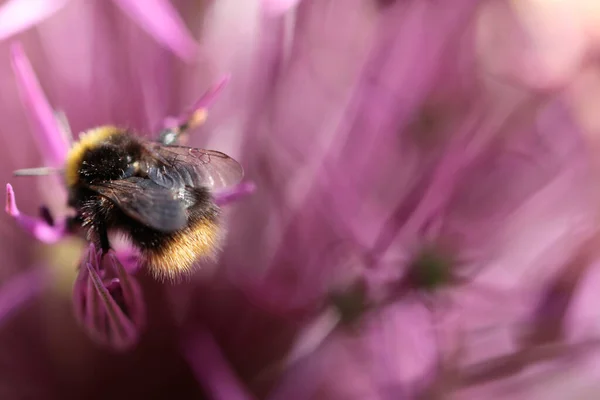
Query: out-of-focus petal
x=211, y=94
x=37, y=227
x=529, y=374
x=194, y=115
x=129, y=260
x=548, y=322
x=276, y=7
x=19, y=15
x=402, y=339
x=211, y=368
x=341, y=186
x=161, y=20
x=313, y=335
x=235, y=193
x=338, y=370
x=108, y=301
x=539, y=44
x=51, y=139
x=20, y=289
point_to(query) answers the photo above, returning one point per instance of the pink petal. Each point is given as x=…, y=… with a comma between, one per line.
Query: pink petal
x=130, y=260
x=277, y=7
x=97, y=310
x=49, y=135
x=122, y=328
x=235, y=193
x=160, y=19
x=132, y=293
x=338, y=370
x=212, y=93
x=36, y=227
x=541, y=45
x=19, y=15
x=203, y=102
x=313, y=335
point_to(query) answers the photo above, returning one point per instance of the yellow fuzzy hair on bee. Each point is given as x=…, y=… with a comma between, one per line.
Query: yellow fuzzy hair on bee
x=87, y=140
x=176, y=257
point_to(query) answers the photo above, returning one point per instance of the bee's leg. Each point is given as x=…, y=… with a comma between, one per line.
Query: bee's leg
x=103, y=237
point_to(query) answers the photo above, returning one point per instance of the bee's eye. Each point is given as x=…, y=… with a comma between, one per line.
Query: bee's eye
x=129, y=159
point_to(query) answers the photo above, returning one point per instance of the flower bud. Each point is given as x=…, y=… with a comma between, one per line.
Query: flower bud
x=108, y=301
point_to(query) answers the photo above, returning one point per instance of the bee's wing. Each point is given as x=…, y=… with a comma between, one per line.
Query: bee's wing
x=176, y=166
x=147, y=202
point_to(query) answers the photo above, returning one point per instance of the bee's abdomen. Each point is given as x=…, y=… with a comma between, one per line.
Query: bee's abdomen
x=171, y=254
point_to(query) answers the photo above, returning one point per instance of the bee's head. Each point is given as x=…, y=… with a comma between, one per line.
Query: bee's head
x=104, y=153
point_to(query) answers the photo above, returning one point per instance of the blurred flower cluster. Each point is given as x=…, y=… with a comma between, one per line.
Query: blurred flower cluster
x=419, y=218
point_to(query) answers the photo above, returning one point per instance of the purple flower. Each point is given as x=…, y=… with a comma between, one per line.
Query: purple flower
x=108, y=300
x=424, y=223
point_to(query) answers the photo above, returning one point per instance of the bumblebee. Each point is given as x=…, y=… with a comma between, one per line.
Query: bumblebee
x=155, y=193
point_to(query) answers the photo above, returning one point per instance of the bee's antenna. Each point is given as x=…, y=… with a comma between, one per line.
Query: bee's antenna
x=41, y=171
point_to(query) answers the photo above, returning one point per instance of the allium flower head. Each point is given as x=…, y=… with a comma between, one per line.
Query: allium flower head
x=108, y=301
x=425, y=220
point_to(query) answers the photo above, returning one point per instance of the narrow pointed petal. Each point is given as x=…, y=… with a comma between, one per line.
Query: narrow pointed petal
x=132, y=293
x=211, y=368
x=212, y=93
x=48, y=133
x=313, y=335
x=19, y=15
x=123, y=331
x=235, y=193
x=19, y=290
x=36, y=227
x=108, y=302
x=160, y=19
x=204, y=102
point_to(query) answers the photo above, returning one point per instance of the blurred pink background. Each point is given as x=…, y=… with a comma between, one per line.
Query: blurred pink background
x=424, y=223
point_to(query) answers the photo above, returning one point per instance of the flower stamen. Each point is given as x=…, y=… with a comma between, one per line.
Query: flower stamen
x=36, y=227
x=196, y=115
